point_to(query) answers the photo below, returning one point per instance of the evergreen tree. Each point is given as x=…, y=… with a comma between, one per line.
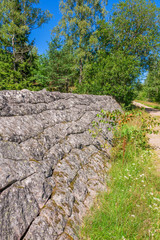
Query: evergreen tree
x=40, y=72
x=61, y=67
x=18, y=19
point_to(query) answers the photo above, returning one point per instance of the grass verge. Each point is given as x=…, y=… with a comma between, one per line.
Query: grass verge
x=150, y=104
x=131, y=207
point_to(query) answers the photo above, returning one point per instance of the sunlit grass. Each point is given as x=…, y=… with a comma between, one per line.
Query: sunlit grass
x=150, y=104
x=131, y=207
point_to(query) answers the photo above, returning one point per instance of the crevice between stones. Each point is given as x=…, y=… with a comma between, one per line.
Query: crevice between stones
x=14, y=181
x=26, y=231
x=8, y=185
x=28, y=228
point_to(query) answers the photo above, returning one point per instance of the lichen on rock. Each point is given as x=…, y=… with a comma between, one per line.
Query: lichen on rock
x=50, y=166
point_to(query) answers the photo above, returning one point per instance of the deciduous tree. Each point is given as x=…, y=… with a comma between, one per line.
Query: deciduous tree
x=78, y=25
x=152, y=83
x=136, y=24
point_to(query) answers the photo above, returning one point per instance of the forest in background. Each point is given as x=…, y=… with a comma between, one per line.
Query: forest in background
x=91, y=51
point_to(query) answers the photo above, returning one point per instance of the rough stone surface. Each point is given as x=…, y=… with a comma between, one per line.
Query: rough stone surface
x=50, y=166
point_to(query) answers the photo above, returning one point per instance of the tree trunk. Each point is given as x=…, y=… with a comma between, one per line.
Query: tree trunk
x=81, y=72
x=67, y=84
x=14, y=53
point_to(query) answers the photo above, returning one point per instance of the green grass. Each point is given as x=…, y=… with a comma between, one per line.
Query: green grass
x=130, y=209
x=150, y=104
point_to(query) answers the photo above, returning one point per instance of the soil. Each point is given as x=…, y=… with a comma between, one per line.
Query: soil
x=154, y=139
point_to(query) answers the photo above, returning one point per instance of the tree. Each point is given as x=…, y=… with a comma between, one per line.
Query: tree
x=18, y=19
x=127, y=46
x=114, y=74
x=40, y=74
x=61, y=67
x=136, y=25
x=78, y=25
x=152, y=83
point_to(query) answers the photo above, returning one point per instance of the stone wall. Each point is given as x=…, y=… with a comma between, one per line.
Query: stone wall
x=50, y=166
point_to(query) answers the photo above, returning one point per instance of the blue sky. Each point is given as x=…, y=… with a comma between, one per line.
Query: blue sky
x=42, y=35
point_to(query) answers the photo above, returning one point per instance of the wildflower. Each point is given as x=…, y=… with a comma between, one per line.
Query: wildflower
x=156, y=208
x=141, y=175
x=157, y=199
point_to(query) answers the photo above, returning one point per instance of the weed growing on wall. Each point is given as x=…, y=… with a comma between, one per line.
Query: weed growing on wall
x=128, y=127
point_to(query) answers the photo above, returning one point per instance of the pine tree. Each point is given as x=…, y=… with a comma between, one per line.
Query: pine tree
x=18, y=19
x=61, y=68
x=40, y=74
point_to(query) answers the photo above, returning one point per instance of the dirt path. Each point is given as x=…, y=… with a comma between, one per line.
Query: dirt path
x=154, y=139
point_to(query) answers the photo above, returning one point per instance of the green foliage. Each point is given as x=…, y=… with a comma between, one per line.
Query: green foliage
x=15, y=80
x=78, y=25
x=18, y=18
x=39, y=76
x=112, y=74
x=61, y=67
x=152, y=83
x=142, y=94
x=87, y=53
x=126, y=46
x=130, y=208
x=124, y=131
x=150, y=104
x=136, y=27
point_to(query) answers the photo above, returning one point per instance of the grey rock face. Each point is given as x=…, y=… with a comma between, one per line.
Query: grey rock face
x=50, y=166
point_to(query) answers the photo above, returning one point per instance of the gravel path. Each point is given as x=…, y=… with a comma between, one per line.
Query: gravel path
x=154, y=139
